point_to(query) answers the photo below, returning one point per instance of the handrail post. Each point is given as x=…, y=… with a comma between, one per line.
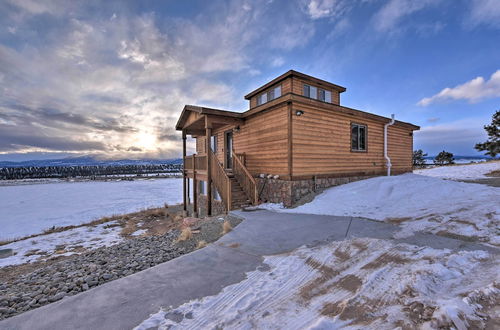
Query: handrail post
x=195, y=189
x=184, y=190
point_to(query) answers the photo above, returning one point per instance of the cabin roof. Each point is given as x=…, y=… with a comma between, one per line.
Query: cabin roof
x=293, y=73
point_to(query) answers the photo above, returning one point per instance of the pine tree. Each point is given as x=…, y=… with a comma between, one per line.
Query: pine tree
x=444, y=158
x=418, y=158
x=492, y=145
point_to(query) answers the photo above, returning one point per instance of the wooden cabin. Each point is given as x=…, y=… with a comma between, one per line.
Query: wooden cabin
x=295, y=138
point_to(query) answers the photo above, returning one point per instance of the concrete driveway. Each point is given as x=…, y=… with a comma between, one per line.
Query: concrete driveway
x=126, y=302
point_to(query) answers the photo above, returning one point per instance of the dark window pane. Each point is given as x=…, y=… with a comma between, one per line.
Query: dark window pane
x=362, y=138
x=354, y=137
x=307, y=91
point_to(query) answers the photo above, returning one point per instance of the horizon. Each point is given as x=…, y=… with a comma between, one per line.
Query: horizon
x=110, y=79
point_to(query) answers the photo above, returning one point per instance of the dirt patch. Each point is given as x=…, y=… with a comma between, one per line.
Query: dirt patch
x=458, y=236
x=492, y=182
x=398, y=221
x=350, y=283
x=384, y=259
x=418, y=312
x=345, y=310
x=341, y=255
x=234, y=245
x=318, y=286
x=495, y=174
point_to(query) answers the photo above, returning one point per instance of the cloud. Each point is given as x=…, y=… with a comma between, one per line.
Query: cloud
x=277, y=61
x=484, y=12
x=392, y=13
x=325, y=8
x=458, y=137
x=112, y=80
x=474, y=90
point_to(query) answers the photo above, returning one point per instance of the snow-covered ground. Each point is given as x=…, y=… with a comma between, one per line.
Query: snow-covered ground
x=461, y=172
x=418, y=203
x=29, y=209
x=62, y=243
x=355, y=284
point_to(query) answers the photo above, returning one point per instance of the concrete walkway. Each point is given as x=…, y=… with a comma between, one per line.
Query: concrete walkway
x=126, y=302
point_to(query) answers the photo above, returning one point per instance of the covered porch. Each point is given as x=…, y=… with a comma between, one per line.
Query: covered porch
x=201, y=122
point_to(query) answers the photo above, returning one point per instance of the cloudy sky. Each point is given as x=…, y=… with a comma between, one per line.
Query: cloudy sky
x=110, y=77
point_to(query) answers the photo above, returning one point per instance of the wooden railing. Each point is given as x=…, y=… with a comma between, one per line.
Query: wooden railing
x=245, y=179
x=200, y=162
x=220, y=180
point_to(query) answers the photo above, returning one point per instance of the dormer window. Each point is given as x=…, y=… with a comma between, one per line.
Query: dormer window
x=324, y=95
x=310, y=91
x=317, y=93
x=269, y=96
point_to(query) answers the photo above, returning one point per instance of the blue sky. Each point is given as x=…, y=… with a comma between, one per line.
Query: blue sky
x=110, y=77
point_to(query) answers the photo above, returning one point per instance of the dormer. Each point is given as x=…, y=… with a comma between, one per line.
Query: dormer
x=296, y=83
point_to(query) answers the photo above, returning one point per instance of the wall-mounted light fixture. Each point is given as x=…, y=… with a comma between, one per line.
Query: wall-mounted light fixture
x=236, y=129
x=299, y=113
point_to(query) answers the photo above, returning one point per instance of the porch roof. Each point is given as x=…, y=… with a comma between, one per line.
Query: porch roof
x=196, y=124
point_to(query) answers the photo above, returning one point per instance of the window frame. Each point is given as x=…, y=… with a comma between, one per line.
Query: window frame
x=365, y=136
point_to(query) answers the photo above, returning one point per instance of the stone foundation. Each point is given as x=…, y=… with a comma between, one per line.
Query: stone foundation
x=289, y=192
x=218, y=207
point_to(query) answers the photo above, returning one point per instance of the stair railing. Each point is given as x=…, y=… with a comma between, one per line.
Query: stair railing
x=221, y=180
x=245, y=179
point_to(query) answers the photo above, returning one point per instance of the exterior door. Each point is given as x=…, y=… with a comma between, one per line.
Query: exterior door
x=229, y=148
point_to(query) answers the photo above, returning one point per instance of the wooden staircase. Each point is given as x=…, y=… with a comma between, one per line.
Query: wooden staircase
x=236, y=186
x=239, y=198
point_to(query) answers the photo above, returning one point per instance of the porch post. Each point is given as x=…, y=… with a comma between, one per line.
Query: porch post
x=195, y=189
x=184, y=170
x=208, y=131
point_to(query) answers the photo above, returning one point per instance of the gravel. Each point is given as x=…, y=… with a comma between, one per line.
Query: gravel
x=78, y=273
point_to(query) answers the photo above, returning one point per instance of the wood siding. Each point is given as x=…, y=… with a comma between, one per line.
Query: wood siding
x=322, y=144
x=264, y=141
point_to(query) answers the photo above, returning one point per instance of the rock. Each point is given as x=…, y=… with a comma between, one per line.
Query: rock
x=57, y=297
x=85, y=287
x=107, y=277
x=4, y=310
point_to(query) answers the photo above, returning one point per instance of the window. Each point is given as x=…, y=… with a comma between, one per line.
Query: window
x=358, y=137
x=317, y=93
x=269, y=96
x=310, y=91
x=213, y=143
x=261, y=99
x=324, y=95
x=201, y=188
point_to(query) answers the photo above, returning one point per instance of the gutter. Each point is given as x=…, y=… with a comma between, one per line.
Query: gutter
x=387, y=159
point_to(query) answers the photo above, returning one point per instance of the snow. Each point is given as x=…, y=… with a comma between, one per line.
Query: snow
x=361, y=283
x=68, y=242
x=461, y=172
x=29, y=209
x=418, y=203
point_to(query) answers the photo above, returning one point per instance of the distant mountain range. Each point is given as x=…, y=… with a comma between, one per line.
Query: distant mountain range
x=88, y=161
x=463, y=157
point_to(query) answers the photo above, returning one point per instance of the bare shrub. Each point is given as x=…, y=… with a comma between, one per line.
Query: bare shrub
x=226, y=227
x=186, y=234
x=201, y=244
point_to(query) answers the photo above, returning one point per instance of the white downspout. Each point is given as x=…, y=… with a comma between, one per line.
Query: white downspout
x=387, y=159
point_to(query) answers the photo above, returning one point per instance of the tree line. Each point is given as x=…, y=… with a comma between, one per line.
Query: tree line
x=491, y=146
x=46, y=172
